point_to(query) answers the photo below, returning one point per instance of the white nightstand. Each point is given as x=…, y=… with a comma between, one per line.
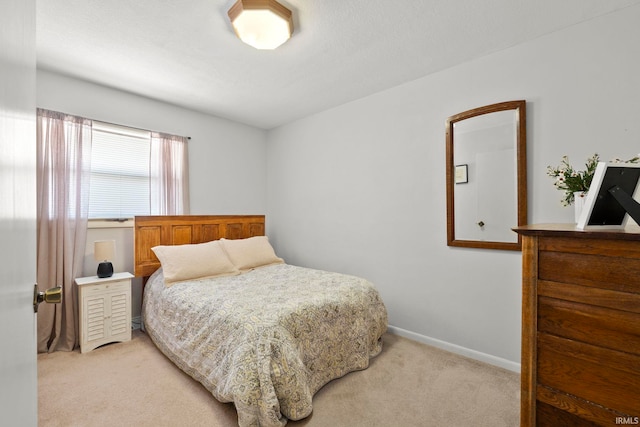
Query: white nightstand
x=104, y=310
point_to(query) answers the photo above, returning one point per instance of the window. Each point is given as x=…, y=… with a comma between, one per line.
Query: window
x=119, y=172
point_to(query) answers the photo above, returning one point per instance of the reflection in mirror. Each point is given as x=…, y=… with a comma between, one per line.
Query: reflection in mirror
x=486, y=176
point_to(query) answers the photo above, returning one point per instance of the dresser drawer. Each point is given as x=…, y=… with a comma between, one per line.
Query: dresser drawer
x=115, y=286
x=603, y=377
x=605, y=327
x=555, y=408
x=600, y=271
x=550, y=416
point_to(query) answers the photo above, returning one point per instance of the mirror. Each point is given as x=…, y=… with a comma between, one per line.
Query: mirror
x=487, y=176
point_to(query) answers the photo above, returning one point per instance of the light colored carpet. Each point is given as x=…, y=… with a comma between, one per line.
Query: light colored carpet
x=408, y=384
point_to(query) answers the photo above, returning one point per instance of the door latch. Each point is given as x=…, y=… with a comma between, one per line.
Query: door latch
x=51, y=296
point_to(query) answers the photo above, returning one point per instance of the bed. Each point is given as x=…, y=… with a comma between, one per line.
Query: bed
x=262, y=334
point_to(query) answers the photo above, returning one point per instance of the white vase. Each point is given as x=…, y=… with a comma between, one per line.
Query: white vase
x=579, y=198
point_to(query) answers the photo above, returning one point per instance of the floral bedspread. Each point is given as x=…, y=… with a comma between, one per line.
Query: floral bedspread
x=267, y=339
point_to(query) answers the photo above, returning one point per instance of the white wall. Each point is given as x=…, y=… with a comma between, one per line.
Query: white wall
x=227, y=160
x=361, y=188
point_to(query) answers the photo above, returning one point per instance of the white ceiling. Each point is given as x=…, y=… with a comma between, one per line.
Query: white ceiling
x=185, y=52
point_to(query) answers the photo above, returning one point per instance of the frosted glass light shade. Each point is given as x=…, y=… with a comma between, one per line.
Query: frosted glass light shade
x=263, y=24
x=104, y=250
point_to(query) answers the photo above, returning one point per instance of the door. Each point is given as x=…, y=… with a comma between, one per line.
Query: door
x=18, y=369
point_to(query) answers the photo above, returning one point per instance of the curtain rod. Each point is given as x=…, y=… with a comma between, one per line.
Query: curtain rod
x=110, y=123
x=133, y=127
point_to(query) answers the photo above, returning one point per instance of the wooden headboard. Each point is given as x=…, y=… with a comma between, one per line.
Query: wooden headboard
x=150, y=231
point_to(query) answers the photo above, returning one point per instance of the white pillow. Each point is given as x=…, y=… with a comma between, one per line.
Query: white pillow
x=250, y=253
x=186, y=262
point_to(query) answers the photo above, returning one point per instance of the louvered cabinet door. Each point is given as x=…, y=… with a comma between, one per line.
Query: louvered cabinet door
x=104, y=310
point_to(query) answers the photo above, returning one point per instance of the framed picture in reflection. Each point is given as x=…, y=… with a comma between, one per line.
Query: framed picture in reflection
x=461, y=175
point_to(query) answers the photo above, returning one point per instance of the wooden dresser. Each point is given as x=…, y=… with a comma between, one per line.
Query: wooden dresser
x=580, y=327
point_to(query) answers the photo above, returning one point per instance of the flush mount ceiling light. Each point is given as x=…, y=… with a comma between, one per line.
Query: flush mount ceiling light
x=263, y=24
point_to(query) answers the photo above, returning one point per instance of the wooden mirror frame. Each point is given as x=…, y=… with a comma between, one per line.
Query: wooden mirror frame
x=521, y=174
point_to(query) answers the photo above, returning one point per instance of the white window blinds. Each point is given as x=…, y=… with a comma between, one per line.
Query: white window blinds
x=119, y=172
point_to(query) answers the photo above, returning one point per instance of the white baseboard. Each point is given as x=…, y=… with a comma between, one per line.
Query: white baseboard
x=453, y=348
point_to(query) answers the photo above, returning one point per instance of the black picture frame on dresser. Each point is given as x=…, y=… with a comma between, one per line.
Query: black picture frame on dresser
x=610, y=201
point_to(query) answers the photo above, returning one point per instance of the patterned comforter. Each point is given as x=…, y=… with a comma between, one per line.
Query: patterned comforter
x=267, y=339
